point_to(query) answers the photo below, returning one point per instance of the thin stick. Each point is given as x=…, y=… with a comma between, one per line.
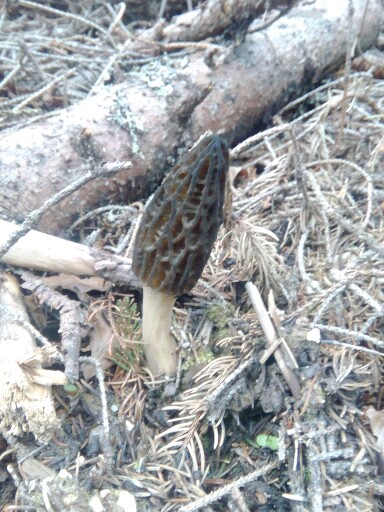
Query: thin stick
x=40, y=92
x=355, y=335
x=227, y=489
x=104, y=406
x=122, y=6
x=270, y=334
x=45, y=8
x=10, y=76
x=235, y=152
x=33, y=218
x=352, y=347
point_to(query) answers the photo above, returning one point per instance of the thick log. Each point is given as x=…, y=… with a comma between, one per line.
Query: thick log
x=172, y=103
x=275, y=65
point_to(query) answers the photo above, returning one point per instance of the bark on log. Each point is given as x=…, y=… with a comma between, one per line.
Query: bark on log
x=275, y=65
x=160, y=108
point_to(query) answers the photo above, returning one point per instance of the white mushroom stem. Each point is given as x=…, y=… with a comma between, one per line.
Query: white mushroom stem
x=159, y=345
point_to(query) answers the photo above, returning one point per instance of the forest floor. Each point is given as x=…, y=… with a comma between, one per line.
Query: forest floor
x=304, y=224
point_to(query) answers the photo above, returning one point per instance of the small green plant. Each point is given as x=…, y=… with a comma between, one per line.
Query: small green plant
x=71, y=389
x=127, y=321
x=127, y=318
x=264, y=441
x=124, y=358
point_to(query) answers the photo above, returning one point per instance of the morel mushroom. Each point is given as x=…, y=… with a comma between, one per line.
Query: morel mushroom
x=174, y=241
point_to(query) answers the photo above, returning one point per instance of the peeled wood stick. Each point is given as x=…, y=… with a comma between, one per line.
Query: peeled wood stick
x=270, y=334
x=45, y=252
x=39, y=251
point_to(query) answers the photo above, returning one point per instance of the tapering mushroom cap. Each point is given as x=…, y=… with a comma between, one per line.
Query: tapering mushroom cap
x=180, y=224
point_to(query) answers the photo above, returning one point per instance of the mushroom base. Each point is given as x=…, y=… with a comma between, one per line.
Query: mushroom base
x=159, y=345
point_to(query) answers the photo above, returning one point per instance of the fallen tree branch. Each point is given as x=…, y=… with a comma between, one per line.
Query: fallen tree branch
x=277, y=64
x=211, y=18
x=72, y=316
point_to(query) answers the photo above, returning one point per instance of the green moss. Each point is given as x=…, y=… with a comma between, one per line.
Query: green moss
x=220, y=312
x=220, y=334
x=202, y=356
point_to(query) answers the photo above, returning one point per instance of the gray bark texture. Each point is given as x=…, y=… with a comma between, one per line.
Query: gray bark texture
x=168, y=105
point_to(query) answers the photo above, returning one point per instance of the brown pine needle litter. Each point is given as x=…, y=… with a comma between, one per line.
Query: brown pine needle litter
x=306, y=226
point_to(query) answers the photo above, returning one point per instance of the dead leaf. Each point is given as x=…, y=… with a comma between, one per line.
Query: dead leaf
x=376, y=420
x=102, y=342
x=79, y=285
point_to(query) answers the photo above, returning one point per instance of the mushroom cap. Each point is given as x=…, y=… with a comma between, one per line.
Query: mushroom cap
x=180, y=223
